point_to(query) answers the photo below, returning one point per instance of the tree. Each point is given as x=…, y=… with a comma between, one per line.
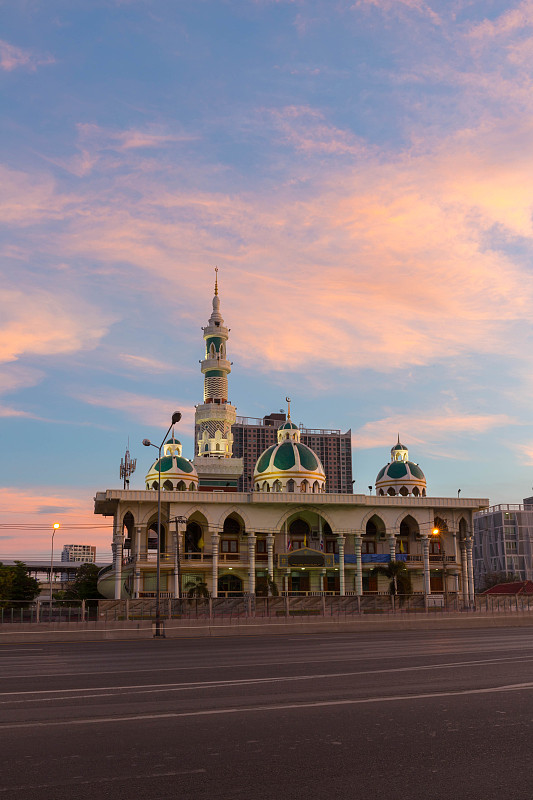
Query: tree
x=197, y=588
x=6, y=581
x=266, y=587
x=491, y=579
x=84, y=586
x=23, y=588
x=398, y=574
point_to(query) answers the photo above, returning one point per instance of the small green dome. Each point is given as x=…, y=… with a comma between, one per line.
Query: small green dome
x=399, y=446
x=172, y=441
x=288, y=426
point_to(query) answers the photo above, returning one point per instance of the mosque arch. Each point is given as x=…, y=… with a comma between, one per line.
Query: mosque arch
x=416, y=492
x=463, y=529
x=168, y=486
x=234, y=524
x=404, y=491
x=374, y=527
x=304, y=486
x=277, y=486
x=151, y=537
x=128, y=529
x=391, y=492
x=230, y=584
x=290, y=485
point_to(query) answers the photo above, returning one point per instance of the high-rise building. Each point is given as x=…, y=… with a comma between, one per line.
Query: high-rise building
x=503, y=541
x=79, y=554
x=252, y=436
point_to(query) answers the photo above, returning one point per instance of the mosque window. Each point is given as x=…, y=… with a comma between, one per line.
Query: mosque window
x=167, y=486
x=391, y=491
x=416, y=492
x=290, y=485
x=304, y=486
x=181, y=486
x=403, y=491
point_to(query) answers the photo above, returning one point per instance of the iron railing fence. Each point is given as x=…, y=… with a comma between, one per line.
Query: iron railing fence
x=304, y=604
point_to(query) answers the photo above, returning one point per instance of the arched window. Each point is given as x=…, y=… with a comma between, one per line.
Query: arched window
x=155, y=485
x=391, y=492
x=232, y=526
x=298, y=533
x=381, y=493
x=315, y=487
x=217, y=447
x=167, y=486
x=304, y=486
x=206, y=448
x=416, y=492
x=277, y=486
x=193, y=541
x=423, y=492
x=290, y=485
x=181, y=486
x=404, y=491
x=230, y=585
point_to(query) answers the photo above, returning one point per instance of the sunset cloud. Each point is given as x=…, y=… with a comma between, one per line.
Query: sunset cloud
x=143, y=408
x=12, y=57
x=421, y=429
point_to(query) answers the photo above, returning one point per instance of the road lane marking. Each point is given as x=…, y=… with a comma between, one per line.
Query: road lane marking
x=91, y=781
x=154, y=688
x=247, y=665
x=275, y=707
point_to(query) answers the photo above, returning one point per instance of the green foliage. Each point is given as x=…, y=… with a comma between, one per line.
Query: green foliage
x=16, y=585
x=197, y=588
x=398, y=574
x=494, y=578
x=6, y=582
x=266, y=587
x=84, y=586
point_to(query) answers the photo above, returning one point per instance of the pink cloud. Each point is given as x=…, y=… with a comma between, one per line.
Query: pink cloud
x=422, y=429
x=395, y=6
x=30, y=535
x=12, y=57
x=511, y=21
x=40, y=322
x=526, y=453
x=143, y=408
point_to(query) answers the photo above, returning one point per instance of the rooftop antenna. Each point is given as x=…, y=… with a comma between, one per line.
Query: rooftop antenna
x=127, y=466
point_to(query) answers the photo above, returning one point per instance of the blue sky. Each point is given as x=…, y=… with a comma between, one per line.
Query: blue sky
x=362, y=174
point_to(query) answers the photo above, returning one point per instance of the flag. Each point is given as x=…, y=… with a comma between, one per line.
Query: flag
x=322, y=545
x=401, y=547
x=201, y=542
x=289, y=545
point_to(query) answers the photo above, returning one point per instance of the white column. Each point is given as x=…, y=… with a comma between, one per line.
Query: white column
x=270, y=554
x=136, y=553
x=464, y=572
x=251, y=562
x=470, y=568
x=425, y=550
x=392, y=546
x=215, y=538
x=175, y=584
x=342, y=584
x=118, y=541
x=358, y=543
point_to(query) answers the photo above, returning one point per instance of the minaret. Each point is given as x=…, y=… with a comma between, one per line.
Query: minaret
x=216, y=467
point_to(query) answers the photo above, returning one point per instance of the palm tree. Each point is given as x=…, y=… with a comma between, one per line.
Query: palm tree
x=400, y=579
x=197, y=588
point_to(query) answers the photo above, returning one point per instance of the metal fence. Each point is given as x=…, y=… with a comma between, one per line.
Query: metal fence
x=235, y=608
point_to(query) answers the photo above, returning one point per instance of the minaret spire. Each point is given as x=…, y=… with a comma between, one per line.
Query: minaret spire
x=288, y=399
x=214, y=461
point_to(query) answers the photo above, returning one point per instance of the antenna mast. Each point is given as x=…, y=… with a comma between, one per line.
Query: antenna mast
x=127, y=466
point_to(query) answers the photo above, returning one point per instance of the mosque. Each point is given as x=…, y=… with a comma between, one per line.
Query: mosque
x=288, y=531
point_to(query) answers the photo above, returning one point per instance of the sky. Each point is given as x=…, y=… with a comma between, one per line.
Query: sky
x=360, y=171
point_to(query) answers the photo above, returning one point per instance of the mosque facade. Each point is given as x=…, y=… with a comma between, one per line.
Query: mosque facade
x=287, y=532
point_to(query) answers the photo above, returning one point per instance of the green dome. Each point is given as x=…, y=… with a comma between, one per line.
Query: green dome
x=264, y=460
x=397, y=469
x=399, y=447
x=288, y=426
x=307, y=457
x=172, y=441
x=285, y=458
x=400, y=470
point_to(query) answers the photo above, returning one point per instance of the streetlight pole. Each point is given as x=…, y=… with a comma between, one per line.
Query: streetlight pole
x=438, y=533
x=55, y=527
x=176, y=416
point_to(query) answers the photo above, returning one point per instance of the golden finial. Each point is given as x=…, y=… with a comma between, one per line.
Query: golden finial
x=288, y=399
x=216, y=280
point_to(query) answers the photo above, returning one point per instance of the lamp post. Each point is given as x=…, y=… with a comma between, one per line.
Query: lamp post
x=438, y=534
x=55, y=527
x=176, y=416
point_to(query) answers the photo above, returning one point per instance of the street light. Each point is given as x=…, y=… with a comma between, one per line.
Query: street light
x=437, y=533
x=176, y=416
x=55, y=527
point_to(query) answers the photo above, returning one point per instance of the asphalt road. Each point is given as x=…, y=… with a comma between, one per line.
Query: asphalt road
x=363, y=716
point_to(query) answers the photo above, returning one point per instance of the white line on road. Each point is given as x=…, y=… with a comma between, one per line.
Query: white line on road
x=153, y=688
x=91, y=781
x=276, y=707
